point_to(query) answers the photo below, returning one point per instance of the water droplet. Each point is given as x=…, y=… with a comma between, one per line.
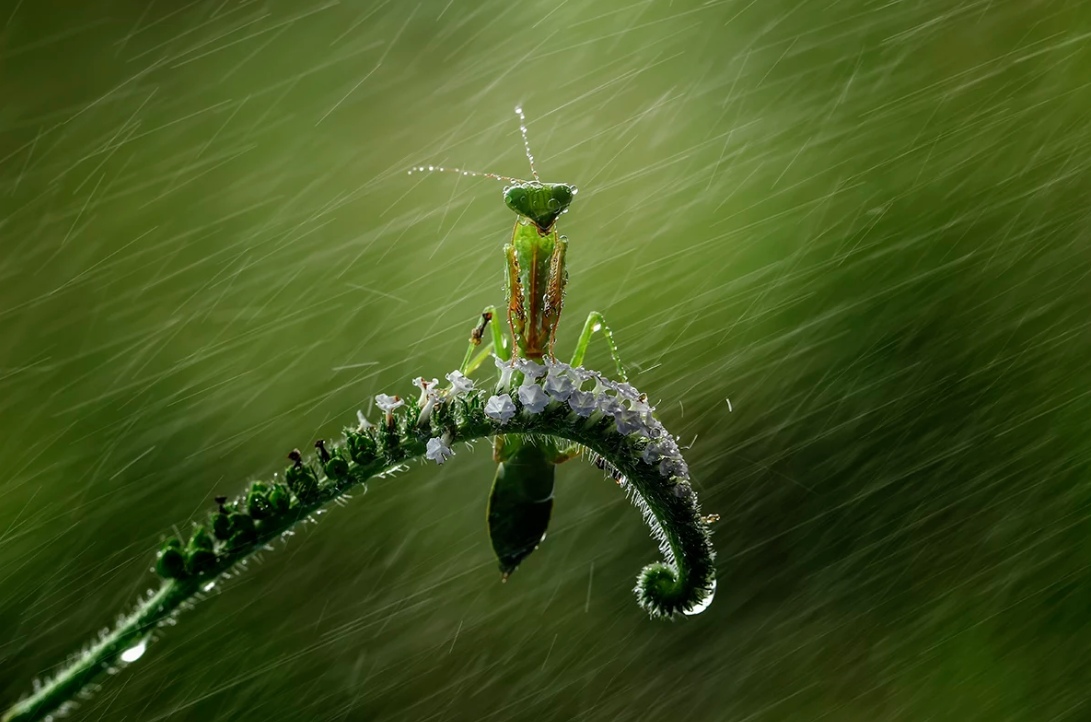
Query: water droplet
x=134, y=653
x=703, y=604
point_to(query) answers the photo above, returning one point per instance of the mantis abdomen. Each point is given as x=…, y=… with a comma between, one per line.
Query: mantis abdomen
x=521, y=499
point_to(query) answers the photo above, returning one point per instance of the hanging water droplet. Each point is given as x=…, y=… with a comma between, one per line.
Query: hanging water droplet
x=135, y=652
x=703, y=604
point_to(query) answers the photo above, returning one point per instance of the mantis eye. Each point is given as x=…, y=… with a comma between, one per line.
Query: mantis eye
x=517, y=199
x=562, y=194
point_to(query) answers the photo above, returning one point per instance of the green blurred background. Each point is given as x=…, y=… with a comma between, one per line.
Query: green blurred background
x=864, y=223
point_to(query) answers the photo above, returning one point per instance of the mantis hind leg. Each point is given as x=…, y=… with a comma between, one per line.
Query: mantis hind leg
x=596, y=323
x=497, y=344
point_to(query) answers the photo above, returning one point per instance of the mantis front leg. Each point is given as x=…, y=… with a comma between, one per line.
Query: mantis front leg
x=470, y=362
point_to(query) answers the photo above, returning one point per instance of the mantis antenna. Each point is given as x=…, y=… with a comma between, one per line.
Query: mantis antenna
x=526, y=142
x=463, y=171
x=483, y=174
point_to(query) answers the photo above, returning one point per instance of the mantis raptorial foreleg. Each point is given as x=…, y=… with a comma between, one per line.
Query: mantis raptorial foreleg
x=497, y=344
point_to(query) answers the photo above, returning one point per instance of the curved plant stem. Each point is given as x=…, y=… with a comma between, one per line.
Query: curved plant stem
x=682, y=583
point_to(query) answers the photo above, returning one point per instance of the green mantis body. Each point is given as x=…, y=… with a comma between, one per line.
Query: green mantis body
x=521, y=499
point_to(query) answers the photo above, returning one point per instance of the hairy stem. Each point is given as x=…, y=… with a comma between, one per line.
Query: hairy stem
x=54, y=695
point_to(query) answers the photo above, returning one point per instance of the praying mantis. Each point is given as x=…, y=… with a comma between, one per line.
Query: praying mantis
x=521, y=498
x=555, y=420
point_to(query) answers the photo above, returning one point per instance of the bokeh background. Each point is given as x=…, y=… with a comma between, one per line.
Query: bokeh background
x=864, y=223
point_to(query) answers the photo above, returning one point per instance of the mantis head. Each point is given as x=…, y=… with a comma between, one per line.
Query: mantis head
x=541, y=203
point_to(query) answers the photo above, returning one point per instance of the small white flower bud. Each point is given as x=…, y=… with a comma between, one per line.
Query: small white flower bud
x=500, y=408
x=533, y=398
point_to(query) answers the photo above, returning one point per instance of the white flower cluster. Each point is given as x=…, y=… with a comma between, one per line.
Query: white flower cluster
x=439, y=448
x=587, y=394
x=559, y=383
